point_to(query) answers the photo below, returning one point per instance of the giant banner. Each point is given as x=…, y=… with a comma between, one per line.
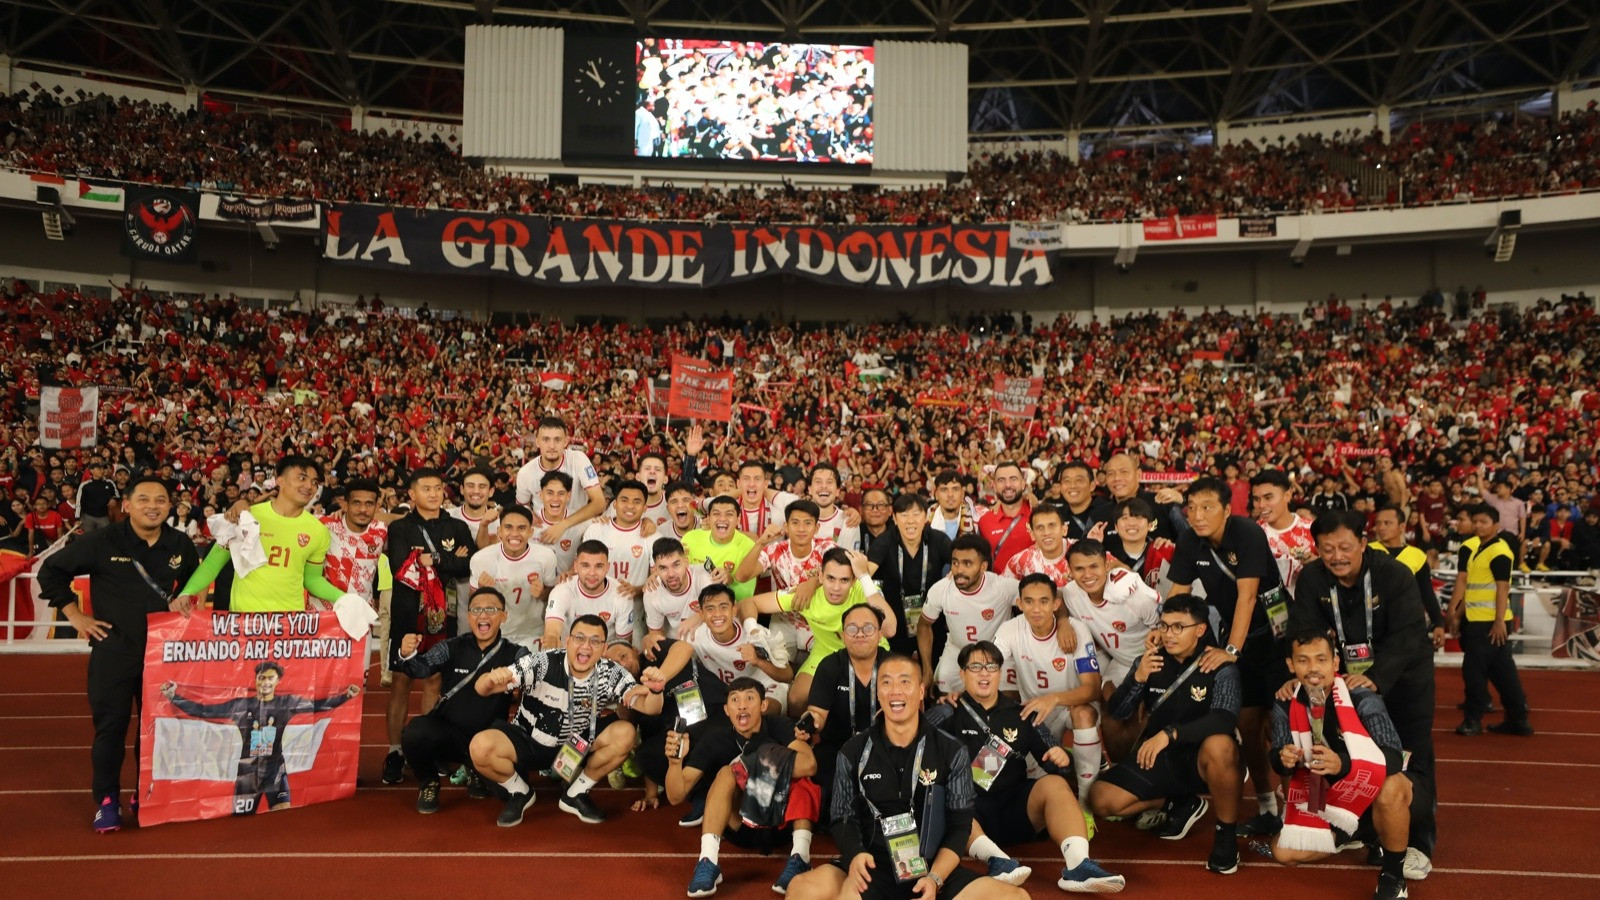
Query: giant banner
x=583, y=253
x=700, y=392
x=1017, y=398
x=69, y=417
x=245, y=713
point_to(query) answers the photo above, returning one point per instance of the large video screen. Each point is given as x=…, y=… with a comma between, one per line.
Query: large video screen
x=751, y=101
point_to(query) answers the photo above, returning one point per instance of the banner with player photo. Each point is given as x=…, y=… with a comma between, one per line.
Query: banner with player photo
x=599, y=253
x=246, y=713
x=1017, y=398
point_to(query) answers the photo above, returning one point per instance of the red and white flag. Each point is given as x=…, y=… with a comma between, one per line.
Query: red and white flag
x=554, y=381
x=1017, y=398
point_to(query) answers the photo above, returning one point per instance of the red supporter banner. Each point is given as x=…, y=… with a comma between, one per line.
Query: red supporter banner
x=592, y=253
x=1167, y=477
x=1180, y=228
x=68, y=417
x=700, y=392
x=247, y=712
x=1357, y=451
x=1208, y=355
x=1017, y=398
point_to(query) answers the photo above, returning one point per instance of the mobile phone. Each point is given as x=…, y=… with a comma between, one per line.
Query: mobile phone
x=681, y=727
x=806, y=725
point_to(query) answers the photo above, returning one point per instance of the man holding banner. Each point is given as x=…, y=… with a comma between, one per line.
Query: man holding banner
x=135, y=567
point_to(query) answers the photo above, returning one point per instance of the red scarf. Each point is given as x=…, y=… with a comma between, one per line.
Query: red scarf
x=1346, y=798
x=430, y=602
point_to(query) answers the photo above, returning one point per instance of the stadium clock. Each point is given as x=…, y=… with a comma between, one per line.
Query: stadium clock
x=600, y=81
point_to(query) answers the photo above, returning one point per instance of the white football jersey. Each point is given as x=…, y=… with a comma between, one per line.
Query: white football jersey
x=630, y=555
x=568, y=601
x=1119, y=624
x=725, y=660
x=1035, y=666
x=566, y=549
x=464, y=589
x=577, y=466
x=664, y=610
x=970, y=617
x=754, y=521
x=512, y=577
x=833, y=528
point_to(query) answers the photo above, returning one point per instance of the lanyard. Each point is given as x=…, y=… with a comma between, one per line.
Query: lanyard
x=916, y=766
x=1173, y=688
x=594, y=711
x=922, y=567
x=975, y=717
x=471, y=676
x=872, y=692
x=151, y=581
x=1007, y=533
x=761, y=518
x=1084, y=522
x=1366, y=607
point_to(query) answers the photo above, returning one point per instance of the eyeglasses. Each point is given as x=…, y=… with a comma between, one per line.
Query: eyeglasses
x=587, y=641
x=1174, y=627
x=874, y=506
x=485, y=610
x=861, y=630
x=979, y=668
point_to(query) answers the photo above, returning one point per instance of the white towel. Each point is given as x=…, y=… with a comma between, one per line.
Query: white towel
x=242, y=540
x=355, y=615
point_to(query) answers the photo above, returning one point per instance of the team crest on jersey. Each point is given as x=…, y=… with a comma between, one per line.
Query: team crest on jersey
x=1120, y=626
x=304, y=539
x=175, y=562
x=928, y=776
x=1233, y=558
x=739, y=664
x=988, y=614
x=694, y=605
x=1151, y=578
x=448, y=544
x=637, y=551
x=1060, y=663
x=1009, y=735
x=1197, y=693
x=605, y=617
x=532, y=577
x=566, y=544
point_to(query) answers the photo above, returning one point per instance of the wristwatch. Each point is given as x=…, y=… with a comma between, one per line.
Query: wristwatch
x=1231, y=650
x=938, y=882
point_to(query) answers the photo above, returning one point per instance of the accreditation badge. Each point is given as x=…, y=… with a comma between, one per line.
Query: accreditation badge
x=569, y=759
x=1357, y=658
x=988, y=763
x=913, y=606
x=1276, y=602
x=905, y=847
x=691, y=705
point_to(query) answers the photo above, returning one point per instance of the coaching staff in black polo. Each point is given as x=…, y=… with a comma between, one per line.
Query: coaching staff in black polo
x=135, y=568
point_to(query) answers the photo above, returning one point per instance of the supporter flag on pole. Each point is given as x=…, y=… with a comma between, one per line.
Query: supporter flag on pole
x=658, y=391
x=699, y=391
x=554, y=381
x=1017, y=398
x=68, y=417
x=247, y=712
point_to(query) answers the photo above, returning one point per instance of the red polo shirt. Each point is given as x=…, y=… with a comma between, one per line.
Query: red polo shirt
x=994, y=526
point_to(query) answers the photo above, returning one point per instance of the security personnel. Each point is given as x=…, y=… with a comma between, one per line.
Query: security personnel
x=1480, y=604
x=135, y=568
x=1389, y=527
x=902, y=807
x=1370, y=602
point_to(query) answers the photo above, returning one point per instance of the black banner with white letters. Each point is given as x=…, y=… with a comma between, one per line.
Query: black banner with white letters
x=583, y=253
x=241, y=209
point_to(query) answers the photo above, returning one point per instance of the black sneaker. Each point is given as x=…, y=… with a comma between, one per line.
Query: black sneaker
x=583, y=807
x=1520, y=729
x=1470, y=728
x=476, y=789
x=1260, y=825
x=428, y=798
x=1375, y=855
x=1224, y=858
x=1391, y=888
x=696, y=813
x=1181, y=817
x=394, y=767
x=516, y=805
x=1463, y=707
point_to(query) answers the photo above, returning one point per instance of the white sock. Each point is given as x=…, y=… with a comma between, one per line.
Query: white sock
x=1086, y=752
x=515, y=784
x=710, y=845
x=1074, y=850
x=580, y=784
x=802, y=844
x=1267, y=803
x=983, y=850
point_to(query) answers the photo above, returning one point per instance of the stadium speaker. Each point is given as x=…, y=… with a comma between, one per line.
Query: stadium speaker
x=48, y=196
x=1509, y=218
x=562, y=179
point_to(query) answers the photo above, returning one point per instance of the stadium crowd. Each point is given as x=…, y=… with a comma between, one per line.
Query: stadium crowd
x=218, y=149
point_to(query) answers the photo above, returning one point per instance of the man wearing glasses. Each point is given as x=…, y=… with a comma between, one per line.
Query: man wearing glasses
x=844, y=700
x=445, y=734
x=558, y=724
x=1186, y=747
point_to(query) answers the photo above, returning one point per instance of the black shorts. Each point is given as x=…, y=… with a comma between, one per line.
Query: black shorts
x=1004, y=817
x=884, y=886
x=531, y=755
x=1261, y=671
x=1176, y=773
x=266, y=779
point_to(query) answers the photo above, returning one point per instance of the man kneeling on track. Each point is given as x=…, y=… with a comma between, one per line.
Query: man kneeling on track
x=1012, y=808
x=557, y=724
x=1343, y=759
x=445, y=733
x=1187, y=746
x=751, y=799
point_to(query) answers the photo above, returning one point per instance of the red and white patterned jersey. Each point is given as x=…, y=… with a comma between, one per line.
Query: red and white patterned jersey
x=1035, y=666
x=663, y=609
x=630, y=550
x=787, y=569
x=568, y=601
x=726, y=662
x=1031, y=561
x=1119, y=624
x=352, y=561
x=1292, y=548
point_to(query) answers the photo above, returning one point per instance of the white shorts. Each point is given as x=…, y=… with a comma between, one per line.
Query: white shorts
x=948, y=676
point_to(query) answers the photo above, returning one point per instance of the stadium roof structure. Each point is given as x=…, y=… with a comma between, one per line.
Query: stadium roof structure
x=1038, y=67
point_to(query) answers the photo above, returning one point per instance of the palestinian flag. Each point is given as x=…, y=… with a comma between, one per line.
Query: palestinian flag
x=109, y=194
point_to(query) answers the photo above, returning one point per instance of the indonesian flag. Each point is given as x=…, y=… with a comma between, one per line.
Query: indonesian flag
x=554, y=381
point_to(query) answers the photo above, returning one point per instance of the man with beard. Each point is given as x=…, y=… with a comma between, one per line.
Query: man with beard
x=1005, y=526
x=522, y=572
x=476, y=510
x=834, y=522
x=592, y=592
x=673, y=593
x=954, y=513
x=973, y=601
x=586, y=500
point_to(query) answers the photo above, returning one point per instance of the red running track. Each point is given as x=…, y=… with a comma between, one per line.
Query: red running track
x=1516, y=818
